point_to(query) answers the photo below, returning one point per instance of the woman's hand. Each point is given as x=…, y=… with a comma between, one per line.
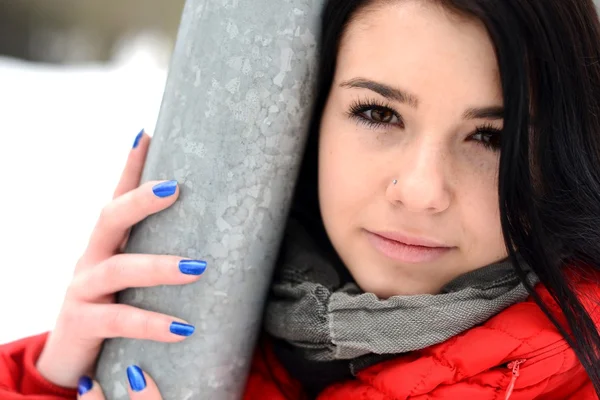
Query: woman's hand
x=141, y=387
x=89, y=313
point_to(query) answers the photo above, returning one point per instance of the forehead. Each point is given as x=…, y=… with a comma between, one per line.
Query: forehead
x=420, y=46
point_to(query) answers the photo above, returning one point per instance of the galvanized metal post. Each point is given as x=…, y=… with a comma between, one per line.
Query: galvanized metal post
x=231, y=130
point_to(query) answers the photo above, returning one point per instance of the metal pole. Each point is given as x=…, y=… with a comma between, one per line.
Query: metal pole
x=231, y=130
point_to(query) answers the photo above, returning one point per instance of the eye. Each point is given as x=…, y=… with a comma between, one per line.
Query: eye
x=381, y=115
x=488, y=136
x=375, y=114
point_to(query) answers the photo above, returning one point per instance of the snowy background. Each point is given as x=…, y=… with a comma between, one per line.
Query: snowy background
x=65, y=132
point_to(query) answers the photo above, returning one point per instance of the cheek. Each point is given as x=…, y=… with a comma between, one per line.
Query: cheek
x=480, y=210
x=343, y=170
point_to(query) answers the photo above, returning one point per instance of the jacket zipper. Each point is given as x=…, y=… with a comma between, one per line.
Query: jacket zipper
x=515, y=366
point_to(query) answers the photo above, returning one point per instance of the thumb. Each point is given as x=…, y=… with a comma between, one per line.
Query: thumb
x=141, y=387
x=88, y=389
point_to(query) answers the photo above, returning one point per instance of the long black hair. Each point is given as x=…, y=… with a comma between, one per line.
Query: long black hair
x=548, y=53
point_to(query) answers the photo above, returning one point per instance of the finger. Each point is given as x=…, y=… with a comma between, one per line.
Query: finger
x=124, y=271
x=88, y=389
x=125, y=211
x=141, y=385
x=121, y=320
x=130, y=178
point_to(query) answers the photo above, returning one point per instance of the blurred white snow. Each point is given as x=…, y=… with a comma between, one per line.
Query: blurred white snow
x=65, y=133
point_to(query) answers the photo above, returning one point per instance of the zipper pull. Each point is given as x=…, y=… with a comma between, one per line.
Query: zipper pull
x=515, y=367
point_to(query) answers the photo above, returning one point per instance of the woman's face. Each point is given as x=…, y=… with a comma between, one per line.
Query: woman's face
x=416, y=99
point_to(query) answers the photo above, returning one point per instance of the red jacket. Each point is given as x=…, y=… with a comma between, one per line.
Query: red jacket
x=516, y=355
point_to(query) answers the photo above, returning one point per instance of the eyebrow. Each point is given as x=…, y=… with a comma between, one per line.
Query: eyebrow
x=402, y=96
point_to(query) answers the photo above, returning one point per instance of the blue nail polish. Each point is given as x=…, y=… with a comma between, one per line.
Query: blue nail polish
x=84, y=385
x=137, y=382
x=182, y=329
x=192, y=267
x=165, y=189
x=138, y=138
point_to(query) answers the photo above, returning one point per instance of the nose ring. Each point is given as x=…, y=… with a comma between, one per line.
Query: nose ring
x=395, y=181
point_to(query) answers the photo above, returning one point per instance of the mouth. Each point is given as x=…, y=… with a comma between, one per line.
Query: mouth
x=407, y=249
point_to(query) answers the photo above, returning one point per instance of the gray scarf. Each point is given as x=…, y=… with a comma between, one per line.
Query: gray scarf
x=326, y=319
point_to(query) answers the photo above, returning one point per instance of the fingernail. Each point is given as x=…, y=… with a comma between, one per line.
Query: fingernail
x=192, y=267
x=84, y=385
x=136, y=379
x=182, y=329
x=138, y=138
x=165, y=189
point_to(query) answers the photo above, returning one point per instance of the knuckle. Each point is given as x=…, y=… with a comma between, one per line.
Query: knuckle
x=74, y=288
x=146, y=326
x=157, y=267
x=70, y=315
x=107, y=215
x=111, y=271
x=156, y=270
x=138, y=200
x=100, y=279
x=114, y=321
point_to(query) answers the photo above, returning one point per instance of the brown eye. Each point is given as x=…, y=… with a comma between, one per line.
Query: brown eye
x=382, y=115
x=490, y=138
x=375, y=115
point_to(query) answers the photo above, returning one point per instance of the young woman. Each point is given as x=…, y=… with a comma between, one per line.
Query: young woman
x=444, y=241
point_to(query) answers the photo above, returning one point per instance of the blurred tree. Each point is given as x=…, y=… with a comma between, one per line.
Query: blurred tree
x=71, y=31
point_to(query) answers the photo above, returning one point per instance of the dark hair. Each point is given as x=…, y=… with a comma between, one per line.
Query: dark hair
x=548, y=53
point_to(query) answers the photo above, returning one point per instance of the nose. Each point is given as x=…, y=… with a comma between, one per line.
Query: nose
x=421, y=184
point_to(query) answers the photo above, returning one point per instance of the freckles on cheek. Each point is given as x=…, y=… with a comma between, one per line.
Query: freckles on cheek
x=484, y=183
x=333, y=156
x=489, y=168
x=479, y=170
x=476, y=190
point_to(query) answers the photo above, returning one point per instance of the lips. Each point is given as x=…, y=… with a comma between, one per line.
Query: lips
x=406, y=249
x=410, y=240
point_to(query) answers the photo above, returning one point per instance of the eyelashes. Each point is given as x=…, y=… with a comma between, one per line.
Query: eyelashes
x=488, y=136
x=377, y=114
x=359, y=107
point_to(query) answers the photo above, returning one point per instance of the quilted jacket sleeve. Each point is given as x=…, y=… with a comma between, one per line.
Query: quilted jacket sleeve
x=20, y=380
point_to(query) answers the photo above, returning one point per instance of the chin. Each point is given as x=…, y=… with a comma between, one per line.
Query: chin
x=383, y=288
x=386, y=284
